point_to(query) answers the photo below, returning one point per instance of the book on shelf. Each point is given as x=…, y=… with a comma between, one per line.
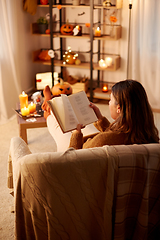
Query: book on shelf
x=98, y=93
x=73, y=110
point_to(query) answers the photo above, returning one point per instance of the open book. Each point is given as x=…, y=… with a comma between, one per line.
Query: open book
x=71, y=110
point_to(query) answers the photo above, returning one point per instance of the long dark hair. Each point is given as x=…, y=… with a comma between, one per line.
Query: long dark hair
x=136, y=117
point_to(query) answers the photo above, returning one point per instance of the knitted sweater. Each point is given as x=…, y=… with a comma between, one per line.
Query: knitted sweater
x=105, y=137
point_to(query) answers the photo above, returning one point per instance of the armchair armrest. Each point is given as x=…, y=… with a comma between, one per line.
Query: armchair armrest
x=18, y=149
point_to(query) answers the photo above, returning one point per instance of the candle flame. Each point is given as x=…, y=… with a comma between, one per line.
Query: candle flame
x=105, y=89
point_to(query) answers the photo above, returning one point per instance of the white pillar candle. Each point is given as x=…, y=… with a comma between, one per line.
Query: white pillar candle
x=108, y=61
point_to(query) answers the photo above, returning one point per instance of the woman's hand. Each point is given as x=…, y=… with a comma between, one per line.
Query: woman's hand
x=96, y=110
x=78, y=129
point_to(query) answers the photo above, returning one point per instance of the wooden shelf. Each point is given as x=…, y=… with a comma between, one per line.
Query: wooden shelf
x=84, y=65
x=118, y=30
x=43, y=6
x=86, y=6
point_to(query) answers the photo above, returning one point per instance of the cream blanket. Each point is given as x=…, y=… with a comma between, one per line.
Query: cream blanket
x=104, y=193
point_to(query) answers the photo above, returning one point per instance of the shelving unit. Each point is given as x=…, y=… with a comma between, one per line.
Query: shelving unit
x=90, y=65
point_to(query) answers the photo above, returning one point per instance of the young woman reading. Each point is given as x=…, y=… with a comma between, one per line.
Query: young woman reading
x=132, y=114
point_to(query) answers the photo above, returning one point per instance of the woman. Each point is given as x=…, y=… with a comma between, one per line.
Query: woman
x=133, y=119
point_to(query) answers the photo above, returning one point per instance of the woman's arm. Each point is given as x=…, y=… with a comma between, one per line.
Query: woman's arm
x=76, y=140
x=96, y=110
x=102, y=124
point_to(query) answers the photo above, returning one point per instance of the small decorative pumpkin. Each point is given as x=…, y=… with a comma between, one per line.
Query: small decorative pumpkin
x=47, y=31
x=61, y=88
x=87, y=25
x=113, y=19
x=44, y=55
x=67, y=29
x=78, y=61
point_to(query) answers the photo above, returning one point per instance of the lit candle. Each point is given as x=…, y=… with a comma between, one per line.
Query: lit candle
x=32, y=107
x=105, y=88
x=98, y=32
x=102, y=63
x=23, y=100
x=25, y=111
x=108, y=61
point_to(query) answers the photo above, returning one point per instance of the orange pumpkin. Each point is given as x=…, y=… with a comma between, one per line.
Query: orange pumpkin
x=61, y=88
x=113, y=19
x=47, y=31
x=67, y=29
x=44, y=55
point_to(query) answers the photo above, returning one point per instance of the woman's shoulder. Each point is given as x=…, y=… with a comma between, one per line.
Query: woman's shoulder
x=113, y=137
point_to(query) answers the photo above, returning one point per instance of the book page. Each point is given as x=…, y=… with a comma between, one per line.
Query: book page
x=56, y=105
x=70, y=118
x=80, y=104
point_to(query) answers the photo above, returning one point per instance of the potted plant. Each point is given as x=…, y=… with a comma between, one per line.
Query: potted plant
x=42, y=24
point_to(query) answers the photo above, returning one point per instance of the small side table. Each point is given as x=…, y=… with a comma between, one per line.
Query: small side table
x=24, y=125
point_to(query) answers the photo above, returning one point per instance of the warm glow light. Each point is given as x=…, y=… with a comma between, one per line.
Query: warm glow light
x=69, y=49
x=97, y=32
x=25, y=111
x=130, y=1
x=105, y=88
x=102, y=63
x=32, y=107
x=23, y=100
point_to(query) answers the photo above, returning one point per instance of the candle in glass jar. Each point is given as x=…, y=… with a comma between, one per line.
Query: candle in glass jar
x=102, y=63
x=105, y=88
x=32, y=107
x=23, y=100
x=25, y=111
x=98, y=32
